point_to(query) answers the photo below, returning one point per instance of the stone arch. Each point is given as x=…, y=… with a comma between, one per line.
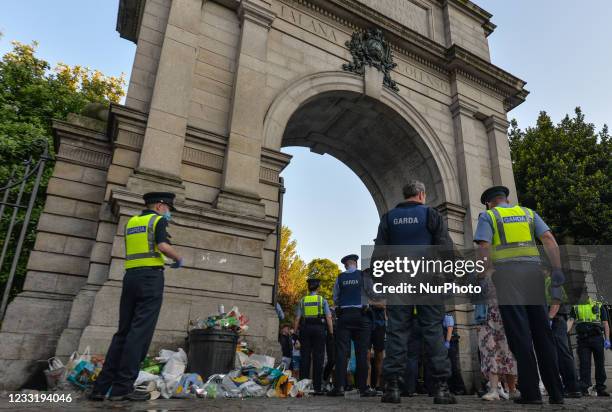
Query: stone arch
x=308, y=89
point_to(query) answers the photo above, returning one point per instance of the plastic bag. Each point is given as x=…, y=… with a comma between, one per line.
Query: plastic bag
x=144, y=376
x=283, y=386
x=164, y=355
x=81, y=374
x=172, y=372
x=250, y=389
x=260, y=361
x=187, y=385
x=56, y=374
x=301, y=388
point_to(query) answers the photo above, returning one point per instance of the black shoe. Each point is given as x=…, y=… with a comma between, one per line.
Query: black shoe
x=318, y=393
x=556, y=401
x=442, y=396
x=573, y=395
x=368, y=393
x=392, y=392
x=524, y=401
x=459, y=392
x=602, y=392
x=96, y=396
x=336, y=392
x=406, y=394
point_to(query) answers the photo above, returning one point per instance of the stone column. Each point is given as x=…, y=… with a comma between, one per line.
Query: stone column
x=239, y=191
x=162, y=150
x=499, y=149
x=468, y=163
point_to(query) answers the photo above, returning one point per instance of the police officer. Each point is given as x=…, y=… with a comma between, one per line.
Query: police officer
x=352, y=291
x=146, y=244
x=451, y=341
x=413, y=223
x=506, y=236
x=311, y=320
x=589, y=319
x=558, y=312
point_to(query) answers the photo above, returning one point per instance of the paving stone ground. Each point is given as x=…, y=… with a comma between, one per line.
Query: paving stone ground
x=420, y=403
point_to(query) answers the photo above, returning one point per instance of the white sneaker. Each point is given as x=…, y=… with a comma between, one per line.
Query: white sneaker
x=502, y=393
x=490, y=396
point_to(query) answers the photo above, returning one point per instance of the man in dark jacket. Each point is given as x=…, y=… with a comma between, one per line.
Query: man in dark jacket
x=411, y=223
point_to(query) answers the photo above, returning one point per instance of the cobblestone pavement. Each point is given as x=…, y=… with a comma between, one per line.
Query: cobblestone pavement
x=420, y=403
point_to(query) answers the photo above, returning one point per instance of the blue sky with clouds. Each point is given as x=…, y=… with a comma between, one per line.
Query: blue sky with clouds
x=562, y=48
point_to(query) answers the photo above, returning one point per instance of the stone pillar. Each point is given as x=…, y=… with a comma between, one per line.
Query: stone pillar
x=164, y=138
x=468, y=163
x=242, y=159
x=501, y=163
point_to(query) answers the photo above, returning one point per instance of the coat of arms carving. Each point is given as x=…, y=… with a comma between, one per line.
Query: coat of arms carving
x=370, y=48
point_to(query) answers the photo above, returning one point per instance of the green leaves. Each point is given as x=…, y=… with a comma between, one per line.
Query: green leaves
x=564, y=172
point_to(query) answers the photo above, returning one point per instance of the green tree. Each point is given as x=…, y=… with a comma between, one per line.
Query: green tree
x=31, y=95
x=564, y=172
x=291, y=275
x=327, y=271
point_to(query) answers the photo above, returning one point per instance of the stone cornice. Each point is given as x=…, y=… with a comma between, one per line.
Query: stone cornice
x=496, y=123
x=255, y=12
x=474, y=11
x=129, y=17
x=76, y=143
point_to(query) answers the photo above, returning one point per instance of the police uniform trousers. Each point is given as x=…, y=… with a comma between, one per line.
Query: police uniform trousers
x=527, y=328
x=565, y=358
x=455, y=383
x=587, y=346
x=400, y=327
x=141, y=300
x=353, y=324
x=411, y=374
x=330, y=350
x=312, y=349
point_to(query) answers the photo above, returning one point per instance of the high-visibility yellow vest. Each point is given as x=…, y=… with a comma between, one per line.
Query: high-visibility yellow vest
x=547, y=284
x=140, y=246
x=513, y=233
x=313, y=306
x=589, y=312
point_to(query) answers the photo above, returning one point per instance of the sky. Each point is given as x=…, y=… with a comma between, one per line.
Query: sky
x=562, y=48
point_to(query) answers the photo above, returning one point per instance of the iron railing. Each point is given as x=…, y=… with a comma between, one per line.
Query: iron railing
x=32, y=170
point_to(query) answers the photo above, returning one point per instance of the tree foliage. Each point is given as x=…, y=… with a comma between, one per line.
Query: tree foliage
x=327, y=271
x=564, y=172
x=291, y=275
x=31, y=95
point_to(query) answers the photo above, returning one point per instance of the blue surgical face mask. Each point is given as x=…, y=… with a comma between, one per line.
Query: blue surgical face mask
x=167, y=216
x=351, y=269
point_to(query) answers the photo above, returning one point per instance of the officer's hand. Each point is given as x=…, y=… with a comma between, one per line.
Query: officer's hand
x=607, y=344
x=550, y=321
x=556, y=293
x=177, y=264
x=447, y=344
x=557, y=277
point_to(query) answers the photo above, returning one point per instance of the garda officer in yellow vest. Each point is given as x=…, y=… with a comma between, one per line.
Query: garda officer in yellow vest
x=313, y=317
x=146, y=244
x=558, y=313
x=506, y=236
x=591, y=319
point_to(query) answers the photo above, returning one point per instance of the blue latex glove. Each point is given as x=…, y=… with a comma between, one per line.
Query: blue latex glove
x=607, y=344
x=557, y=277
x=447, y=344
x=177, y=264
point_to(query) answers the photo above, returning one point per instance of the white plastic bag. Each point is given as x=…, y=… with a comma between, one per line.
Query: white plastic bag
x=172, y=372
x=145, y=377
x=260, y=361
x=250, y=389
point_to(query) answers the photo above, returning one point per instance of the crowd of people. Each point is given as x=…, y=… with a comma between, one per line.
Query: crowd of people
x=400, y=350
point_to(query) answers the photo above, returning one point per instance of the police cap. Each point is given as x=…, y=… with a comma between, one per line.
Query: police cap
x=492, y=192
x=159, y=197
x=349, y=257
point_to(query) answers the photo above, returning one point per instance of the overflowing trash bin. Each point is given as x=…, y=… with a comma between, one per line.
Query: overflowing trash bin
x=216, y=365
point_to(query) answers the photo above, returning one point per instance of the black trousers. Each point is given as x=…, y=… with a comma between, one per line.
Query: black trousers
x=527, y=328
x=356, y=326
x=400, y=328
x=312, y=341
x=455, y=383
x=565, y=358
x=411, y=374
x=141, y=299
x=587, y=346
x=331, y=356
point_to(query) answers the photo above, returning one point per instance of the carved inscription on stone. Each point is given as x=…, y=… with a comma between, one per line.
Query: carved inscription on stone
x=308, y=23
x=406, y=12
